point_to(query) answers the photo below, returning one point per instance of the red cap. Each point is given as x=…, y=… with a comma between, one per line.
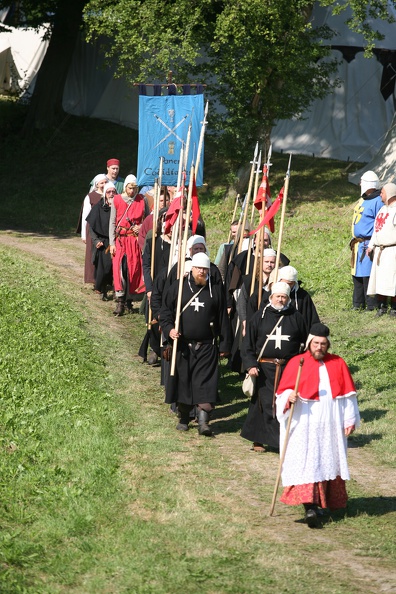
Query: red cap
x=111, y=162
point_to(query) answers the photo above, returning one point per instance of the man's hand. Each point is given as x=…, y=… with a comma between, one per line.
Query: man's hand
x=349, y=430
x=174, y=334
x=113, y=250
x=99, y=244
x=253, y=371
x=293, y=397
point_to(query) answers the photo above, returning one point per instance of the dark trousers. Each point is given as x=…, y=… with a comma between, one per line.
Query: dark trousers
x=360, y=297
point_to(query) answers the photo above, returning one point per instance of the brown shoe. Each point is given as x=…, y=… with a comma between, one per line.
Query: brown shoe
x=258, y=447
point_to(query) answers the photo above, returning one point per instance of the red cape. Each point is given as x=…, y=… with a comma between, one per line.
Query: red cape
x=340, y=377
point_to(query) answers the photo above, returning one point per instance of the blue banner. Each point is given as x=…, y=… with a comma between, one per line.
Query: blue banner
x=163, y=127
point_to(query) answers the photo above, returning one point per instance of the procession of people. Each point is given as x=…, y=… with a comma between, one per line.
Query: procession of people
x=253, y=312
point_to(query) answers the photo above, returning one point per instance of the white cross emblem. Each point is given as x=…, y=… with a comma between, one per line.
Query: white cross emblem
x=197, y=304
x=171, y=130
x=278, y=337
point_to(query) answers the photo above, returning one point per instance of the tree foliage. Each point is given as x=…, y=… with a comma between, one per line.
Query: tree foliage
x=261, y=60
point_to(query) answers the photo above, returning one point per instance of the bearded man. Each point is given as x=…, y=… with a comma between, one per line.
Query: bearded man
x=315, y=466
x=203, y=319
x=273, y=336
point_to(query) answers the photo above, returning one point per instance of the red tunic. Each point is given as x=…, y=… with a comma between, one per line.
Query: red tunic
x=126, y=244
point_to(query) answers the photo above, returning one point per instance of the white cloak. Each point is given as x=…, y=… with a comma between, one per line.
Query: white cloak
x=317, y=448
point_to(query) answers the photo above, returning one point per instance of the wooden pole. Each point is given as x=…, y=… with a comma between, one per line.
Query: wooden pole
x=247, y=197
x=256, y=182
x=282, y=221
x=181, y=279
x=282, y=458
x=157, y=194
x=233, y=217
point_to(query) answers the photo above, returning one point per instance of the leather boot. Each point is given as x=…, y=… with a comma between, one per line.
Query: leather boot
x=203, y=423
x=184, y=417
x=120, y=308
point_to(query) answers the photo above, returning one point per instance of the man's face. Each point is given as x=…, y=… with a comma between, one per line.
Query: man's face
x=267, y=242
x=131, y=190
x=383, y=196
x=112, y=172
x=197, y=249
x=318, y=347
x=234, y=229
x=268, y=264
x=163, y=201
x=279, y=300
x=110, y=195
x=200, y=274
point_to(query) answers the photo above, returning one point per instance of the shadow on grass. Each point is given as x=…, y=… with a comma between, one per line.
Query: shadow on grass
x=359, y=441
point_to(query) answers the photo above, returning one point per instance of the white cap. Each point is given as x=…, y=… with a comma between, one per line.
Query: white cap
x=130, y=179
x=200, y=260
x=288, y=273
x=369, y=180
x=280, y=288
x=107, y=186
x=390, y=191
x=269, y=252
x=98, y=178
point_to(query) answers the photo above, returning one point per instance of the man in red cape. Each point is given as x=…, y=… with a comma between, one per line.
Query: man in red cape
x=315, y=466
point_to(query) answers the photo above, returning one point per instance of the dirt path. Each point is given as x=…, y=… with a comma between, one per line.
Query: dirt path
x=65, y=257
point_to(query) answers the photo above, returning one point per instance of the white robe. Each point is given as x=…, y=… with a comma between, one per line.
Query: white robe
x=383, y=275
x=317, y=448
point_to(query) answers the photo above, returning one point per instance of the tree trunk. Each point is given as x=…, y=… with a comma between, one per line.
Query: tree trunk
x=46, y=102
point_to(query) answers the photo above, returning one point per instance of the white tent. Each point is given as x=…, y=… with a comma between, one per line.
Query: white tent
x=352, y=122
x=21, y=54
x=91, y=89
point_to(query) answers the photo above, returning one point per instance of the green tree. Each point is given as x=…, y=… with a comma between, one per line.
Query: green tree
x=261, y=59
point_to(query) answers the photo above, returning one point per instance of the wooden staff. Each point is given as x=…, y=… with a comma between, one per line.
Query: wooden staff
x=157, y=194
x=282, y=221
x=181, y=279
x=233, y=217
x=176, y=225
x=282, y=458
x=260, y=240
x=247, y=197
x=256, y=183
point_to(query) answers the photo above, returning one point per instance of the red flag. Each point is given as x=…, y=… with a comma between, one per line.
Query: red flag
x=271, y=212
x=196, y=213
x=264, y=197
x=173, y=212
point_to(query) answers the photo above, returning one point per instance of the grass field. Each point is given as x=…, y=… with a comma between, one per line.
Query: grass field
x=98, y=492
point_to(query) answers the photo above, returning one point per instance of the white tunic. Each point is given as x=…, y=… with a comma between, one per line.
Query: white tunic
x=317, y=448
x=383, y=275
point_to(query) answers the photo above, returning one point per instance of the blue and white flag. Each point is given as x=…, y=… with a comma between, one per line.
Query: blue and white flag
x=163, y=127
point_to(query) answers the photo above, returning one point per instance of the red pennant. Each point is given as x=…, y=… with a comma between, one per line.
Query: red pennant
x=172, y=213
x=264, y=197
x=271, y=212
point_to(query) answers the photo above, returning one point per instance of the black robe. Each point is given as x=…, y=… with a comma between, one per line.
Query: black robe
x=196, y=377
x=98, y=220
x=261, y=425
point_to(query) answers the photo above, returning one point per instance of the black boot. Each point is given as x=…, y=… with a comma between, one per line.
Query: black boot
x=184, y=417
x=203, y=423
x=120, y=307
x=311, y=515
x=382, y=309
